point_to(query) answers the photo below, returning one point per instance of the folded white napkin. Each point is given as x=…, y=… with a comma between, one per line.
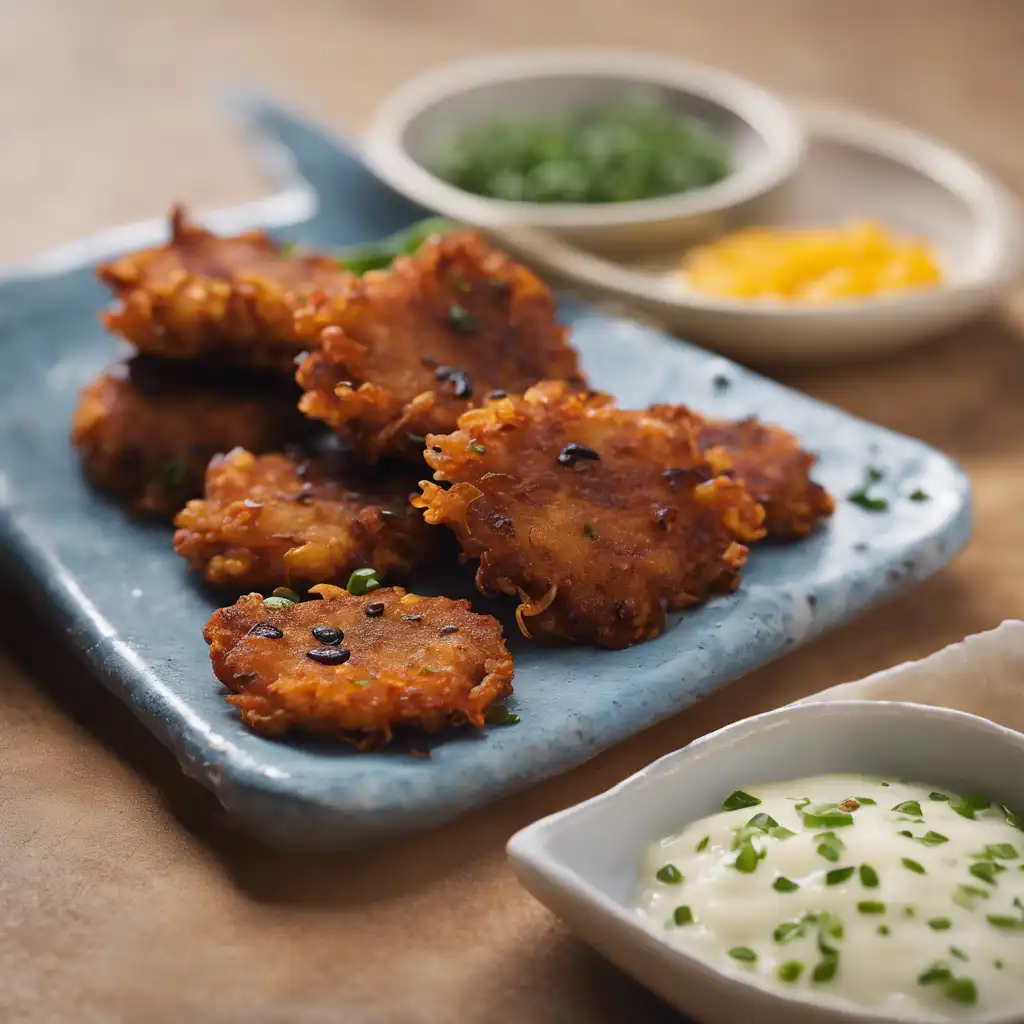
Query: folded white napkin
x=983, y=675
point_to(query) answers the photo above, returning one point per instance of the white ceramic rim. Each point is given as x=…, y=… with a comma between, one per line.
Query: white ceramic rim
x=769, y=117
x=528, y=844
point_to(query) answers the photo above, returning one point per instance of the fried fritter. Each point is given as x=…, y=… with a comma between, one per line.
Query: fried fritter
x=276, y=518
x=146, y=429
x=225, y=299
x=770, y=463
x=599, y=519
x=359, y=667
x=405, y=351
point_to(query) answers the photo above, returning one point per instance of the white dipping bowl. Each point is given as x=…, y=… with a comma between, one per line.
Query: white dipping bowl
x=582, y=863
x=765, y=141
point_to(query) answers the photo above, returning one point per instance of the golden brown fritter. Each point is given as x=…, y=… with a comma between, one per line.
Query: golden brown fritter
x=146, y=429
x=225, y=299
x=599, y=519
x=277, y=519
x=770, y=463
x=405, y=351
x=359, y=667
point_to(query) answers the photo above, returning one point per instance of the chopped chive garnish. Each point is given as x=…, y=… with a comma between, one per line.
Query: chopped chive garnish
x=476, y=446
x=801, y=804
x=940, y=924
x=703, y=844
x=829, y=852
x=781, y=832
x=905, y=832
x=498, y=714
x=911, y=807
x=938, y=796
x=965, y=895
x=919, y=495
x=747, y=859
x=971, y=804
x=1001, y=851
x=958, y=953
x=997, y=964
x=670, y=875
x=865, y=801
x=839, y=875
x=908, y=911
x=912, y=865
x=360, y=682
x=362, y=581
x=744, y=954
x=762, y=821
x=933, y=838
x=783, y=884
x=871, y=907
x=589, y=532
x=868, y=876
x=935, y=973
x=866, y=501
x=682, y=915
x=826, y=816
x=1007, y=921
x=1011, y=818
x=461, y=319
x=789, y=930
x=962, y=990
x=886, y=784
x=882, y=929
x=986, y=870
x=738, y=800
x=790, y=971
x=826, y=970
x=721, y=382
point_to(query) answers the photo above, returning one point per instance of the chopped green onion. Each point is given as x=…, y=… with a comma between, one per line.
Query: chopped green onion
x=1011, y=818
x=971, y=804
x=1001, y=851
x=826, y=816
x=362, y=581
x=933, y=838
x=277, y=603
x=790, y=971
x=172, y=475
x=682, y=916
x=783, y=884
x=958, y=953
x=747, y=859
x=839, y=875
x=912, y=865
x=911, y=807
x=589, y=532
x=789, y=930
x=826, y=970
x=965, y=895
x=781, y=832
x=829, y=852
x=1006, y=921
x=882, y=929
x=986, y=870
x=866, y=801
x=938, y=796
x=670, y=875
x=801, y=804
x=905, y=832
x=962, y=990
x=934, y=974
x=940, y=924
x=721, y=382
x=871, y=907
x=762, y=821
x=461, y=319
x=498, y=714
x=868, y=876
x=908, y=911
x=476, y=446
x=743, y=954
x=360, y=682
x=861, y=497
x=703, y=844
x=997, y=964
x=739, y=799
x=919, y=495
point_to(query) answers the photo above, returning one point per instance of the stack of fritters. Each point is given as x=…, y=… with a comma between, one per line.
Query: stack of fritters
x=598, y=520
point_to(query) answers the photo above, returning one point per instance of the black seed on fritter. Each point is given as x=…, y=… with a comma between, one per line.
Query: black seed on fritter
x=329, y=655
x=462, y=386
x=436, y=448
x=328, y=634
x=498, y=394
x=675, y=478
x=665, y=516
x=445, y=630
x=574, y=452
x=428, y=361
x=266, y=631
x=375, y=610
x=411, y=618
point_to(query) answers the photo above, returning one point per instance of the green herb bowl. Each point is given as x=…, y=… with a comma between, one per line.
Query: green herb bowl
x=763, y=138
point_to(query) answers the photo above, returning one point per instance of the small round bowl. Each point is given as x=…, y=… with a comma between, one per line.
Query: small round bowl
x=765, y=142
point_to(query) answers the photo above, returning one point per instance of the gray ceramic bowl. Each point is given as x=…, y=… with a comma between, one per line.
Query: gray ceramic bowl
x=765, y=141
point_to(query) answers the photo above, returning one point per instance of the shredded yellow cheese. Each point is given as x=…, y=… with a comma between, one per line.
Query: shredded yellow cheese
x=812, y=265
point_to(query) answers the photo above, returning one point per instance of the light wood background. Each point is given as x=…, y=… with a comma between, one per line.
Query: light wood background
x=124, y=893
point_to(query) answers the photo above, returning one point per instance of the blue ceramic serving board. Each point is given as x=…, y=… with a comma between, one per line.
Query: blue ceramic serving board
x=125, y=601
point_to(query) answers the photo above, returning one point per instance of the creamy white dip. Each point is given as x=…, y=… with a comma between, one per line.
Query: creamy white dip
x=882, y=894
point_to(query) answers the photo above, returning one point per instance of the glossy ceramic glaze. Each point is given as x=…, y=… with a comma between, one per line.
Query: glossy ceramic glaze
x=116, y=591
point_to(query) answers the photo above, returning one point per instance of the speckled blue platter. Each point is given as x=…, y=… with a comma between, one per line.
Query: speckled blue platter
x=124, y=599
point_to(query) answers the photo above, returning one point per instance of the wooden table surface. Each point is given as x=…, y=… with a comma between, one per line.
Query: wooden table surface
x=125, y=895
